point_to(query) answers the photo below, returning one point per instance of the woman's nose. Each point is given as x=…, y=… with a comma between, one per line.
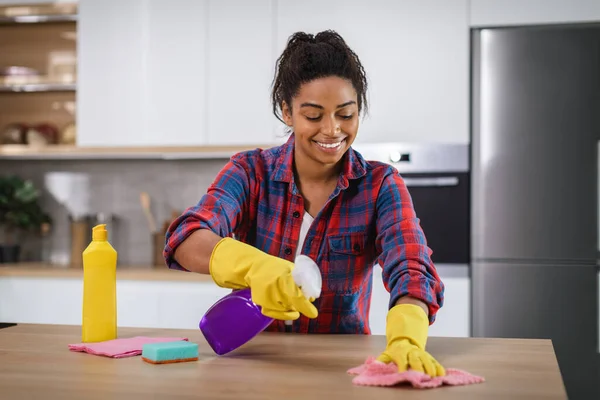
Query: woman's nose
x=330, y=126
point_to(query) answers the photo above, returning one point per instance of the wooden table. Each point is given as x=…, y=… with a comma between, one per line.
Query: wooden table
x=35, y=363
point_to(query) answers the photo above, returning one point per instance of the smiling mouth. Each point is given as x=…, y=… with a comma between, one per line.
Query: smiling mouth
x=330, y=146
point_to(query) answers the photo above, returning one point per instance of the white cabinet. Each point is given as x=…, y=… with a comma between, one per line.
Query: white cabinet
x=175, y=73
x=241, y=64
x=452, y=320
x=165, y=72
x=523, y=12
x=154, y=304
x=146, y=304
x=141, y=72
x=416, y=55
x=110, y=82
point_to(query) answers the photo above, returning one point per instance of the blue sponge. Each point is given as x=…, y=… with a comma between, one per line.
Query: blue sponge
x=170, y=352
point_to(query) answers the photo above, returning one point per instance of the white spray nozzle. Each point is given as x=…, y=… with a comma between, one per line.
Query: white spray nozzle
x=307, y=276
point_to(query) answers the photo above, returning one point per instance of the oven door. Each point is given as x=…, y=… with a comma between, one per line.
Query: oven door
x=442, y=203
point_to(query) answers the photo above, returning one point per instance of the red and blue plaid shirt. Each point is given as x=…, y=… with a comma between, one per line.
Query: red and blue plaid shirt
x=369, y=219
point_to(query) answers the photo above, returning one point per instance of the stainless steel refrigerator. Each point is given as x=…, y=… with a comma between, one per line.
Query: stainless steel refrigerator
x=535, y=132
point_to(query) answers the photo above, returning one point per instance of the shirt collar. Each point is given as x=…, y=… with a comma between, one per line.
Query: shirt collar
x=354, y=165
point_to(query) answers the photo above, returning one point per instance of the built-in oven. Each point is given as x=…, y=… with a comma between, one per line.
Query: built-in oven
x=438, y=180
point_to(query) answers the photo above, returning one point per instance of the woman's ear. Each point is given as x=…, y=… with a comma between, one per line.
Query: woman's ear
x=286, y=112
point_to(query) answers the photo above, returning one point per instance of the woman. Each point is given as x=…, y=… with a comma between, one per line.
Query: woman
x=315, y=195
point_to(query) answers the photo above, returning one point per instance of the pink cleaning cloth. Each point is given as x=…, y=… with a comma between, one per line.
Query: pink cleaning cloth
x=119, y=348
x=376, y=373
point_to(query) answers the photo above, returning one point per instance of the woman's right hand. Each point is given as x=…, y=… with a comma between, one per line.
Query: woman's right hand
x=237, y=265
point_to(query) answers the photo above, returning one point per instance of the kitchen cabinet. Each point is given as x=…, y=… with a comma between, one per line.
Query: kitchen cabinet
x=175, y=73
x=199, y=73
x=241, y=63
x=140, y=303
x=195, y=73
x=181, y=304
x=416, y=55
x=28, y=2
x=37, y=74
x=142, y=73
x=110, y=72
x=524, y=12
x=452, y=320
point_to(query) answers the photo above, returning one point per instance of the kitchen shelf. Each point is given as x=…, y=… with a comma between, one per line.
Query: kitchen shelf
x=36, y=19
x=40, y=13
x=62, y=152
x=38, y=87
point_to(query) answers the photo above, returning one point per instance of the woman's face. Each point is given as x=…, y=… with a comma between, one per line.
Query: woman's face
x=324, y=119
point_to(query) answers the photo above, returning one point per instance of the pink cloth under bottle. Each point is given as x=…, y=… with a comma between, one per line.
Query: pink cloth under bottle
x=119, y=348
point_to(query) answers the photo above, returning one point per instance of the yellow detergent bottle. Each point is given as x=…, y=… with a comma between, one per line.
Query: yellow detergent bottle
x=99, y=322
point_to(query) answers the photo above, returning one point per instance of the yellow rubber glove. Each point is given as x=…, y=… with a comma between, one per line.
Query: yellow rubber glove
x=237, y=265
x=406, y=334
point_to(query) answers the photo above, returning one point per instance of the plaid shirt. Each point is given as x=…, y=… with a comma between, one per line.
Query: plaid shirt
x=368, y=219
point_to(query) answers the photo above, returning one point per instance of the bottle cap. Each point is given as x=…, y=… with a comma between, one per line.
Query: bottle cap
x=99, y=233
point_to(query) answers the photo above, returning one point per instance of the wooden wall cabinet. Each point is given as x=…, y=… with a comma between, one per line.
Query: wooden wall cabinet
x=38, y=71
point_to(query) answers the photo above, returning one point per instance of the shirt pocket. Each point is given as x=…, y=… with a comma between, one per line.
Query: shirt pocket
x=348, y=262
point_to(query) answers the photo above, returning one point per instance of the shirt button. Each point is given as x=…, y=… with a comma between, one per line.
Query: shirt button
x=296, y=214
x=288, y=251
x=356, y=247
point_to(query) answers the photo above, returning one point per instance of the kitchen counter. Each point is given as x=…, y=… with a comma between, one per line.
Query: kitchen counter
x=146, y=272
x=40, y=294
x=124, y=272
x=36, y=363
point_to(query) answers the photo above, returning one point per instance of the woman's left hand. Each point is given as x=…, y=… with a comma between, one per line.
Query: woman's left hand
x=406, y=333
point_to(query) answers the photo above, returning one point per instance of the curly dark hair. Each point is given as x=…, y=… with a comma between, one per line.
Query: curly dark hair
x=308, y=57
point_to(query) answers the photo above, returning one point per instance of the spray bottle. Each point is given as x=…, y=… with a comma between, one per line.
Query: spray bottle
x=99, y=322
x=234, y=319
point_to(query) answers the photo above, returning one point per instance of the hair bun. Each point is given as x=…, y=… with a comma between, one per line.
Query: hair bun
x=301, y=37
x=330, y=37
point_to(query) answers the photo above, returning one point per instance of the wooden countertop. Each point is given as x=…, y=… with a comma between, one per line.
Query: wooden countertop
x=124, y=272
x=36, y=363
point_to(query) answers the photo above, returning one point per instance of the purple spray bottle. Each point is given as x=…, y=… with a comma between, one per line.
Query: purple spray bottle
x=234, y=319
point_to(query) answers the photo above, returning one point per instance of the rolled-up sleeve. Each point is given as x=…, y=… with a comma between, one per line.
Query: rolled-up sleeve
x=220, y=210
x=403, y=252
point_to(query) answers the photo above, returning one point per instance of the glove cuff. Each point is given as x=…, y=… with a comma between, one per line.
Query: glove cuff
x=229, y=263
x=407, y=322
x=233, y=263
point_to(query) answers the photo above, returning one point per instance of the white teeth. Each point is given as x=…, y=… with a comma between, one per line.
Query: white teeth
x=330, y=145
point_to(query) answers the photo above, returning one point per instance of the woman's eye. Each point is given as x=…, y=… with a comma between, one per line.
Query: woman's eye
x=319, y=117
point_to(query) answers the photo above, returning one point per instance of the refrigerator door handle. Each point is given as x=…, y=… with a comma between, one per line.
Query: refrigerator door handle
x=440, y=181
